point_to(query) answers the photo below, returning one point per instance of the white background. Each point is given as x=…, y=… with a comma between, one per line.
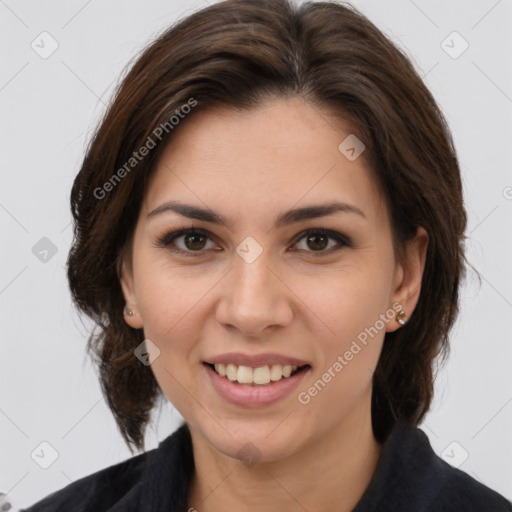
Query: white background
x=49, y=107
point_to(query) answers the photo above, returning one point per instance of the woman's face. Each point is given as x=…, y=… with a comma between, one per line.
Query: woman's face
x=254, y=290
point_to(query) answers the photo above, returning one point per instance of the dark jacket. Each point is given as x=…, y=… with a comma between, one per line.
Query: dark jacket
x=409, y=477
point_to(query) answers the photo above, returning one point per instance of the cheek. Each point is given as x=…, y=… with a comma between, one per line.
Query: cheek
x=168, y=298
x=172, y=300
x=169, y=306
x=350, y=332
x=346, y=302
x=349, y=342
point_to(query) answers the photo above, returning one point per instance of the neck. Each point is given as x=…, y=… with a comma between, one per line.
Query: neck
x=330, y=474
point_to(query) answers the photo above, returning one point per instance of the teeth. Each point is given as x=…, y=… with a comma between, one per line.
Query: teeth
x=231, y=371
x=261, y=375
x=221, y=369
x=244, y=375
x=276, y=372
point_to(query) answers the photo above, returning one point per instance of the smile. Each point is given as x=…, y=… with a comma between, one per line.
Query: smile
x=260, y=376
x=254, y=387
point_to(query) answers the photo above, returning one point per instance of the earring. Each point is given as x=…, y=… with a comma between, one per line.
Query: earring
x=128, y=311
x=401, y=317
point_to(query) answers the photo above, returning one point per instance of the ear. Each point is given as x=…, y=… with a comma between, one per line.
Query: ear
x=125, y=274
x=408, y=276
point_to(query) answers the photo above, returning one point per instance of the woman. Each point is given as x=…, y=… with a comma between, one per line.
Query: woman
x=269, y=231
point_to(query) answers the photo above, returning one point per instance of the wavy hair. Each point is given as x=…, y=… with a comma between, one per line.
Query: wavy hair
x=236, y=53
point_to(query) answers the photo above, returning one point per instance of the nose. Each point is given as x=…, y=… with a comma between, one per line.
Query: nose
x=254, y=299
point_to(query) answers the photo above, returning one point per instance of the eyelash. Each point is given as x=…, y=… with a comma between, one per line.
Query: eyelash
x=171, y=236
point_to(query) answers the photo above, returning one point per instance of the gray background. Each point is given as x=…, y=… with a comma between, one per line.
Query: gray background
x=49, y=106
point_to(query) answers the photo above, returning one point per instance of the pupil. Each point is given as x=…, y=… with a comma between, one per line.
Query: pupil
x=194, y=238
x=315, y=239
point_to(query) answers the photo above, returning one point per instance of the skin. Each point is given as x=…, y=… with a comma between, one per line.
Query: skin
x=250, y=167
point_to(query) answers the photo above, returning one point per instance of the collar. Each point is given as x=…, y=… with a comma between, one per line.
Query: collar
x=166, y=475
x=408, y=476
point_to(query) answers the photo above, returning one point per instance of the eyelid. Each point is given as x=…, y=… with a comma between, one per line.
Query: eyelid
x=171, y=236
x=341, y=239
x=175, y=233
x=166, y=240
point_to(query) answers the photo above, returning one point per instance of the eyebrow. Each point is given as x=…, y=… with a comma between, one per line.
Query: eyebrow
x=284, y=219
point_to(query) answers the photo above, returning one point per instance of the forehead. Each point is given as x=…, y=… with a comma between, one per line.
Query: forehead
x=283, y=153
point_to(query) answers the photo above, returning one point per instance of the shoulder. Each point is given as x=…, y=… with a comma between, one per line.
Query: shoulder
x=460, y=491
x=156, y=476
x=449, y=489
x=101, y=489
x=411, y=476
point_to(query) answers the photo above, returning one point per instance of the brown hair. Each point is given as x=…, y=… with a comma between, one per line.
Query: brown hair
x=236, y=53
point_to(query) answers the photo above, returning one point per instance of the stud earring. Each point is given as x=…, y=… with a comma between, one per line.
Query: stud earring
x=401, y=317
x=128, y=311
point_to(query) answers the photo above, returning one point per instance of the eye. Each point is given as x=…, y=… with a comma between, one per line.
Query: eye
x=317, y=241
x=192, y=241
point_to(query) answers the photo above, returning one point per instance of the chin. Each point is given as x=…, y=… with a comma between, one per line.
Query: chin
x=253, y=441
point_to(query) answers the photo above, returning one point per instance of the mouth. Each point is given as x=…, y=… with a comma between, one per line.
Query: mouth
x=255, y=380
x=259, y=376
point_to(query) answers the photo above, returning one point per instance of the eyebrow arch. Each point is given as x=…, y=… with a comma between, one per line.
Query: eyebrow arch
x=284, y=219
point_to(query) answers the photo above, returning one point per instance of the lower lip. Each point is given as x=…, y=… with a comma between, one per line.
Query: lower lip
x=258, y=395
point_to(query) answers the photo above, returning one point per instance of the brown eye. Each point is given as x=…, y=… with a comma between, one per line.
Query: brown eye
x=317, y=242
x=194, y=241
x=186, y=241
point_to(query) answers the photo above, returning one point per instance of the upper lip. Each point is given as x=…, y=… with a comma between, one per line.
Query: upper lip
x=255, y=361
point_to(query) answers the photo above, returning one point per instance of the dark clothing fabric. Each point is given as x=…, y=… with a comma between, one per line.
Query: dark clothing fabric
x=409, y=477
